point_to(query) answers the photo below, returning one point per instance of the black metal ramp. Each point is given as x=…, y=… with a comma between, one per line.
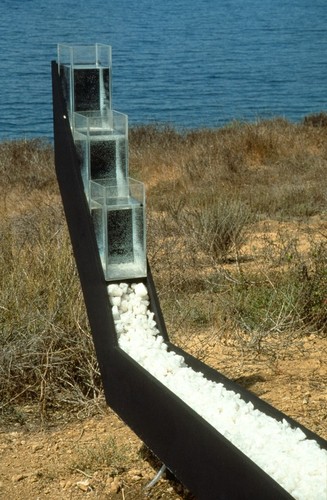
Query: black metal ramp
x=201, y=458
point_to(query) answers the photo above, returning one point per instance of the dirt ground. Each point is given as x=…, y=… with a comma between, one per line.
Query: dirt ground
x=93, y=454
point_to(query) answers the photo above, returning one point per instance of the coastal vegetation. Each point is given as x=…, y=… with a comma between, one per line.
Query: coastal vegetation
x=237, y=242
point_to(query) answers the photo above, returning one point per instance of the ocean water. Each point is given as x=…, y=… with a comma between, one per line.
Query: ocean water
x=187, y=63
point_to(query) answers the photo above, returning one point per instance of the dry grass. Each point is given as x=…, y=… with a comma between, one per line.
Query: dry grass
x=208, y=192
x=277, y=168
x=47, y=354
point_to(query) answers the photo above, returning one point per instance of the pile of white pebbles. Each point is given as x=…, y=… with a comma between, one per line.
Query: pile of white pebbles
x=298, y=464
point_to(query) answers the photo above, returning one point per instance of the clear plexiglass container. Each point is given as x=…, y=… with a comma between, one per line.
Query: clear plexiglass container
x=118, y=214
x=85, y=73
x=101, y=140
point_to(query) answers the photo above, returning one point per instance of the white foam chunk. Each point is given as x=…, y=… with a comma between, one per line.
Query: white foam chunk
x=297, y=463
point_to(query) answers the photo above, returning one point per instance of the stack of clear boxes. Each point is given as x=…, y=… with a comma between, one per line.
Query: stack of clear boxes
x=117, y=202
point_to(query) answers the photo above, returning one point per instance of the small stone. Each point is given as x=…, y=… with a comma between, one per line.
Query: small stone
x=115, y=291
x=123, y=287
x=136, y=477
x=119, y=327
x=115, y=301
x=36, y=447
x=115, y=313
x=124, y=306
x=18, y=477
x=115, y=485
x=83, y=485
x=140, y=290
x=135, y=472
x=68, y=484
x=109, y=481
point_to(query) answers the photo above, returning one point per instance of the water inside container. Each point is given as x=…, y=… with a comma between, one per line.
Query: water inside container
x=125, y=237
x=108, y=151
x=86, y=87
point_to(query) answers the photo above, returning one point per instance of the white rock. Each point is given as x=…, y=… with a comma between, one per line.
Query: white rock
x=115, y=290
x=115, y=301
x=140, y=290
x=119, y=327
x=124, y=305
x=115, y=313
x=123, y=287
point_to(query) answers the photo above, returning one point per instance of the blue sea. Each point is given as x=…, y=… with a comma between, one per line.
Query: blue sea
x=187, y=63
